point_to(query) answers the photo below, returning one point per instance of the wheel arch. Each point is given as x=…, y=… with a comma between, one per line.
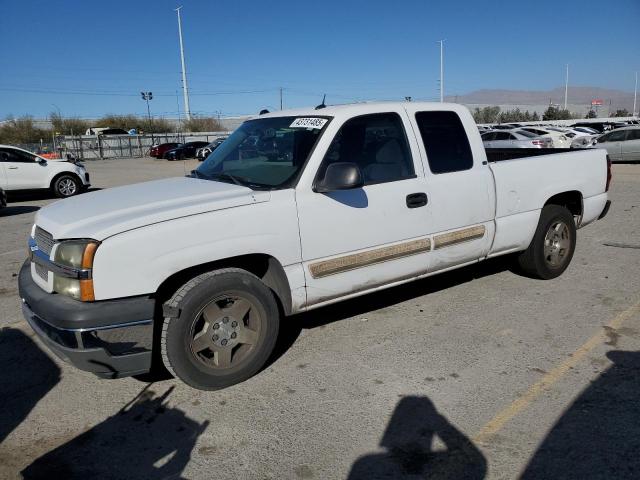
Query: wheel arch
x=265, y=267
x=60, y=174
x=572, y=200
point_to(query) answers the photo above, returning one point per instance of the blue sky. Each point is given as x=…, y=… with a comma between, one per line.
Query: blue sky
x=90, y=58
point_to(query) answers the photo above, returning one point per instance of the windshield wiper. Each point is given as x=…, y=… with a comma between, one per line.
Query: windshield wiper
x=234, y=179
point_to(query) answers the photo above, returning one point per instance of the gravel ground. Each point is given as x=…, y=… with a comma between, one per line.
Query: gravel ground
x=477, y=373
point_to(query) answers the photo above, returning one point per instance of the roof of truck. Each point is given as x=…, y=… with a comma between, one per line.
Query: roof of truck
x=355, y=108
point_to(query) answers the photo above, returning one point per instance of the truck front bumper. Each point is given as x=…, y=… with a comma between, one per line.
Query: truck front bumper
x=110, y=338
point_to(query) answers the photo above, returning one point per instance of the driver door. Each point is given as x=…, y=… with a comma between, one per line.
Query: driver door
x=362, y=238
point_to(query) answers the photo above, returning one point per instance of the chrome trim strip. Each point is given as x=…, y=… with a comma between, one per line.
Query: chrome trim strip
x=41, y=258
x=364, y=259
x=458, y=236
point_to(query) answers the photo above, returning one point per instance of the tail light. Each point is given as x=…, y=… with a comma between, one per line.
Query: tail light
x=608, y=174
x=541, y=143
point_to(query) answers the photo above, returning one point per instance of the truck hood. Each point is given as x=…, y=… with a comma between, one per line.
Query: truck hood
x=104, y=213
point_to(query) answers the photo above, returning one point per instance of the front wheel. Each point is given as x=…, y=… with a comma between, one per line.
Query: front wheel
x=553, y=244
x=66, y=186
x=226, y=329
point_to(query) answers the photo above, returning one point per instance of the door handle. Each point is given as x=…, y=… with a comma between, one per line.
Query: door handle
x=13, y=168
x=415, y=200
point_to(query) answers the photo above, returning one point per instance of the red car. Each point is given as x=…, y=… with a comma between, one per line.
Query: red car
x=158, y=151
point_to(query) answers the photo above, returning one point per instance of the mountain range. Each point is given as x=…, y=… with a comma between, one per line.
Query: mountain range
x=576, y=96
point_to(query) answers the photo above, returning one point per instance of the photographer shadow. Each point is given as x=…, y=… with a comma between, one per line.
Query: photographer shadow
x=409, y=451
x=599, y=434
x=26, y=376
x=146, y=439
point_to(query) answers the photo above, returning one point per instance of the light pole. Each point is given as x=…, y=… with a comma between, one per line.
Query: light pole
x=566, y=87
x=185, y=88
x=635, y=96
x=148, y=96
x=441, y=42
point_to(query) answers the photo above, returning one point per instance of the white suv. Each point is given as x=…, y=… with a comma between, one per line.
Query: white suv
x=23, y=170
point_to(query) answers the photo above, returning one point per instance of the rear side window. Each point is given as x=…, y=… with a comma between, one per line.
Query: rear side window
x=633, y=134
x=445, y=141
x=503, y=136
x=617, y=136
x=487, y=137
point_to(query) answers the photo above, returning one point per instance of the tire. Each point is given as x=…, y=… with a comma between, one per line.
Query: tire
x=66, y=186
x=226, y=329
x=553, y=244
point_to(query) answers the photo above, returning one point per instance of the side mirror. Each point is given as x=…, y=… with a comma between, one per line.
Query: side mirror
x=42, y=161
x=340, y=176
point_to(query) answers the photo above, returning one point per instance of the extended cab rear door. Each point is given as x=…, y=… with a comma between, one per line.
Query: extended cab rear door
x=458, y=182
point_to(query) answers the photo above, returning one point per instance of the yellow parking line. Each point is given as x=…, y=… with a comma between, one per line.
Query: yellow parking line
x=549, y=379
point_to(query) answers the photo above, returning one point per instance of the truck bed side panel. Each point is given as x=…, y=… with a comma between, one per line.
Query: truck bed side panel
x=524, y=185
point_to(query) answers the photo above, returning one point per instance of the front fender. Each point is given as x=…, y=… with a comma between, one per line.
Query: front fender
x=136, y=262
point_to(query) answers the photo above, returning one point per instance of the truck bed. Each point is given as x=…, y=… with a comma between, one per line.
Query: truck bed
x=501, y=154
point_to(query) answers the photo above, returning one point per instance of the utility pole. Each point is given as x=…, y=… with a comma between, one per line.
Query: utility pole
x=566, y=87
x=185, y=88
x=635, y=95
x=441, y=42
x=280, y=98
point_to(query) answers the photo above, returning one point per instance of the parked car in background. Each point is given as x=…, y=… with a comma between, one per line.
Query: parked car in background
x=204, y=152
x=559, y=139
x=584, y=141
x=587, y=130
x=3, y=198
x=601, y=127
x=23, y=170
x=158, y=151
x=184, y=150
x=622, y=144
x=514, y=139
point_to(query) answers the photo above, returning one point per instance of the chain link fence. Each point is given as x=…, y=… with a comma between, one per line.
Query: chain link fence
x=97, y=147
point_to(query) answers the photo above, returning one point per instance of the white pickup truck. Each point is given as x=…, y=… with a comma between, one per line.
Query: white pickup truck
x=295, y=210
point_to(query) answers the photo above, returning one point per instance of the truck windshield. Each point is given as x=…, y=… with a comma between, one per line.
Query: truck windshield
x=266, y=153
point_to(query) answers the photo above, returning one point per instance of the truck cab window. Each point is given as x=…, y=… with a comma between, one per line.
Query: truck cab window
x=377, y=144
x=445, y=141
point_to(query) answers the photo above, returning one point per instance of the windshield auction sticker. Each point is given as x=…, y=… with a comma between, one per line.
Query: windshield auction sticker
x=308, y=122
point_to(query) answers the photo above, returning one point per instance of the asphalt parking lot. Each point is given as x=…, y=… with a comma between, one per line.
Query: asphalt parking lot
x=476, y=373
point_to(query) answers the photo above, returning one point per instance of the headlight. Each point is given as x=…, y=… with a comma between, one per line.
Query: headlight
x=78, y=255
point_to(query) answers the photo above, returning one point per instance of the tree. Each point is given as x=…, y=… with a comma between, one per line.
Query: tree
x=555, y=113
x=486, y=114
x=22, y=130
x=621, y=113
x=202, y=124
x=68, y=126
x=127, y=122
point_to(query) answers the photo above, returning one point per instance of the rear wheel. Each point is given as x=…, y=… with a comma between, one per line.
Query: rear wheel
x=553, y=244
x=66, y=186
x=227, y=328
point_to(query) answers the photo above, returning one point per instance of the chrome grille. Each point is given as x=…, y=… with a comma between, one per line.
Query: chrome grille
x=42, y=272
x=44, y=240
